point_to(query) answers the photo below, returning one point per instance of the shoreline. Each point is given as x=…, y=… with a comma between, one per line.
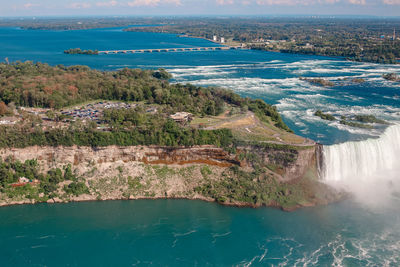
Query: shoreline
x=205, y=173
x=342, y=58
x=57, y=201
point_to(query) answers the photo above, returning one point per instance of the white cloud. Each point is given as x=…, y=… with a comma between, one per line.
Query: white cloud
x=107, y=4
x=225, y=2
x=309, y=2
x=79, y=5
x=391, y=2
x=30, y=5
x=357, y=2
x=153, y=3
x=284, y=2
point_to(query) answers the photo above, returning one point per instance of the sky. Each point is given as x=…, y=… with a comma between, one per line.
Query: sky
x=198, y=7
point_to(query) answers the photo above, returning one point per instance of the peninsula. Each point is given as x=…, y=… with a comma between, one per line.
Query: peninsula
x=77, y=134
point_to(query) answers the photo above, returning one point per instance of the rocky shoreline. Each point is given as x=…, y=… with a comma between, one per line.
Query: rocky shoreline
x=339, y=197
x=283, y=177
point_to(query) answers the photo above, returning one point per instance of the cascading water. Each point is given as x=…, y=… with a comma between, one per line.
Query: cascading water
x=365, y=167
x=358, y=160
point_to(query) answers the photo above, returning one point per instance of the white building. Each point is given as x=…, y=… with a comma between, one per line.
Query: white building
x=215, y=38
x=23, y=180
x=182, y=117
x=222, y=40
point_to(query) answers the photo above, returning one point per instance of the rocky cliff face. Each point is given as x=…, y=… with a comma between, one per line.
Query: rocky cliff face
x=50, y=157
x=292, y=164
x=202, y=172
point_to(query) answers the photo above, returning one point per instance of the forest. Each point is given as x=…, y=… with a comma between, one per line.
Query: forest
x=369, y=40
x=11, y=171
x=31, y=84
x=356, y=39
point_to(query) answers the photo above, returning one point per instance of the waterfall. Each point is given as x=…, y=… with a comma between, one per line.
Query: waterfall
x=364, y=160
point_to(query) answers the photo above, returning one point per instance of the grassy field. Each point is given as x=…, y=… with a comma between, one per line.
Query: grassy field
x=247, y=127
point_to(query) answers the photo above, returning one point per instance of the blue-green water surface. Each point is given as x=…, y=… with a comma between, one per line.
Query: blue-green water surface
x=195, y=233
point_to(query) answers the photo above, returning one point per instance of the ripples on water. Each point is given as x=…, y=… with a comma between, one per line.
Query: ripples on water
x=187, y=233
x=278, y=82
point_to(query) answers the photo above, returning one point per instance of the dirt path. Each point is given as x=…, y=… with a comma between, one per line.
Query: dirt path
x=248, y=123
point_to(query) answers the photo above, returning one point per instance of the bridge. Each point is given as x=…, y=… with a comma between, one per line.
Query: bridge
x=171, y=50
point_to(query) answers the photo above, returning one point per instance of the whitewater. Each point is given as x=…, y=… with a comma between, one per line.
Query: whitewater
x=363, y=160
x=278, y=82
x=370, y=169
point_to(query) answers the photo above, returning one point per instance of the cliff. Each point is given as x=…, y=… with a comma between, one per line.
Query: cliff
x=135, y=142
x=252, y=176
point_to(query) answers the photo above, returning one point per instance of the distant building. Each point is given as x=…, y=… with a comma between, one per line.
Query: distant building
x=215, y=38
x=23, y=180
x=182, y=117
x=222, y=40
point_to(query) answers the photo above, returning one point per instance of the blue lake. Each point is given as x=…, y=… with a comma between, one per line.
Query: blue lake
x=193, y=233
x=187, y=233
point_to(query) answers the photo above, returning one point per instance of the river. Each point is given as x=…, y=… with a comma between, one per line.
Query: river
x=359, y=232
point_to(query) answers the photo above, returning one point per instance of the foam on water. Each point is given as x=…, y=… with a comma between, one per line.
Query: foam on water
x=344, y=251
x=340, y=251
x=361, y=160
x=370, y=168
x=279, y=83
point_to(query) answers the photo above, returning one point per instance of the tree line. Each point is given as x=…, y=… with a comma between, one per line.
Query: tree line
x=369, y=40
x=40, y=85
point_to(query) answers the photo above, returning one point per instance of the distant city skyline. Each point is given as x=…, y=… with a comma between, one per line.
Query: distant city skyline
x=198, y=7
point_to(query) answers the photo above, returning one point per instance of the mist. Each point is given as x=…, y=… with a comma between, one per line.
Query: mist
x=369, y=169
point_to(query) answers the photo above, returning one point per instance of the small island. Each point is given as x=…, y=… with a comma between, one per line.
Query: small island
x=391, y=77
x=344, y=121
x=318, y=81
x=358, y=121
x=324, y=116
x=358, y=80
x=369, y=119
x=78, y=51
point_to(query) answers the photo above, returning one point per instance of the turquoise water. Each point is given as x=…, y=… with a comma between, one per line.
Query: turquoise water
x=187, y=233
x=194, y=233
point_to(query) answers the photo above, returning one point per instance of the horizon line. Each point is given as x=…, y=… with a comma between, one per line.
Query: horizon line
x=203, y=15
